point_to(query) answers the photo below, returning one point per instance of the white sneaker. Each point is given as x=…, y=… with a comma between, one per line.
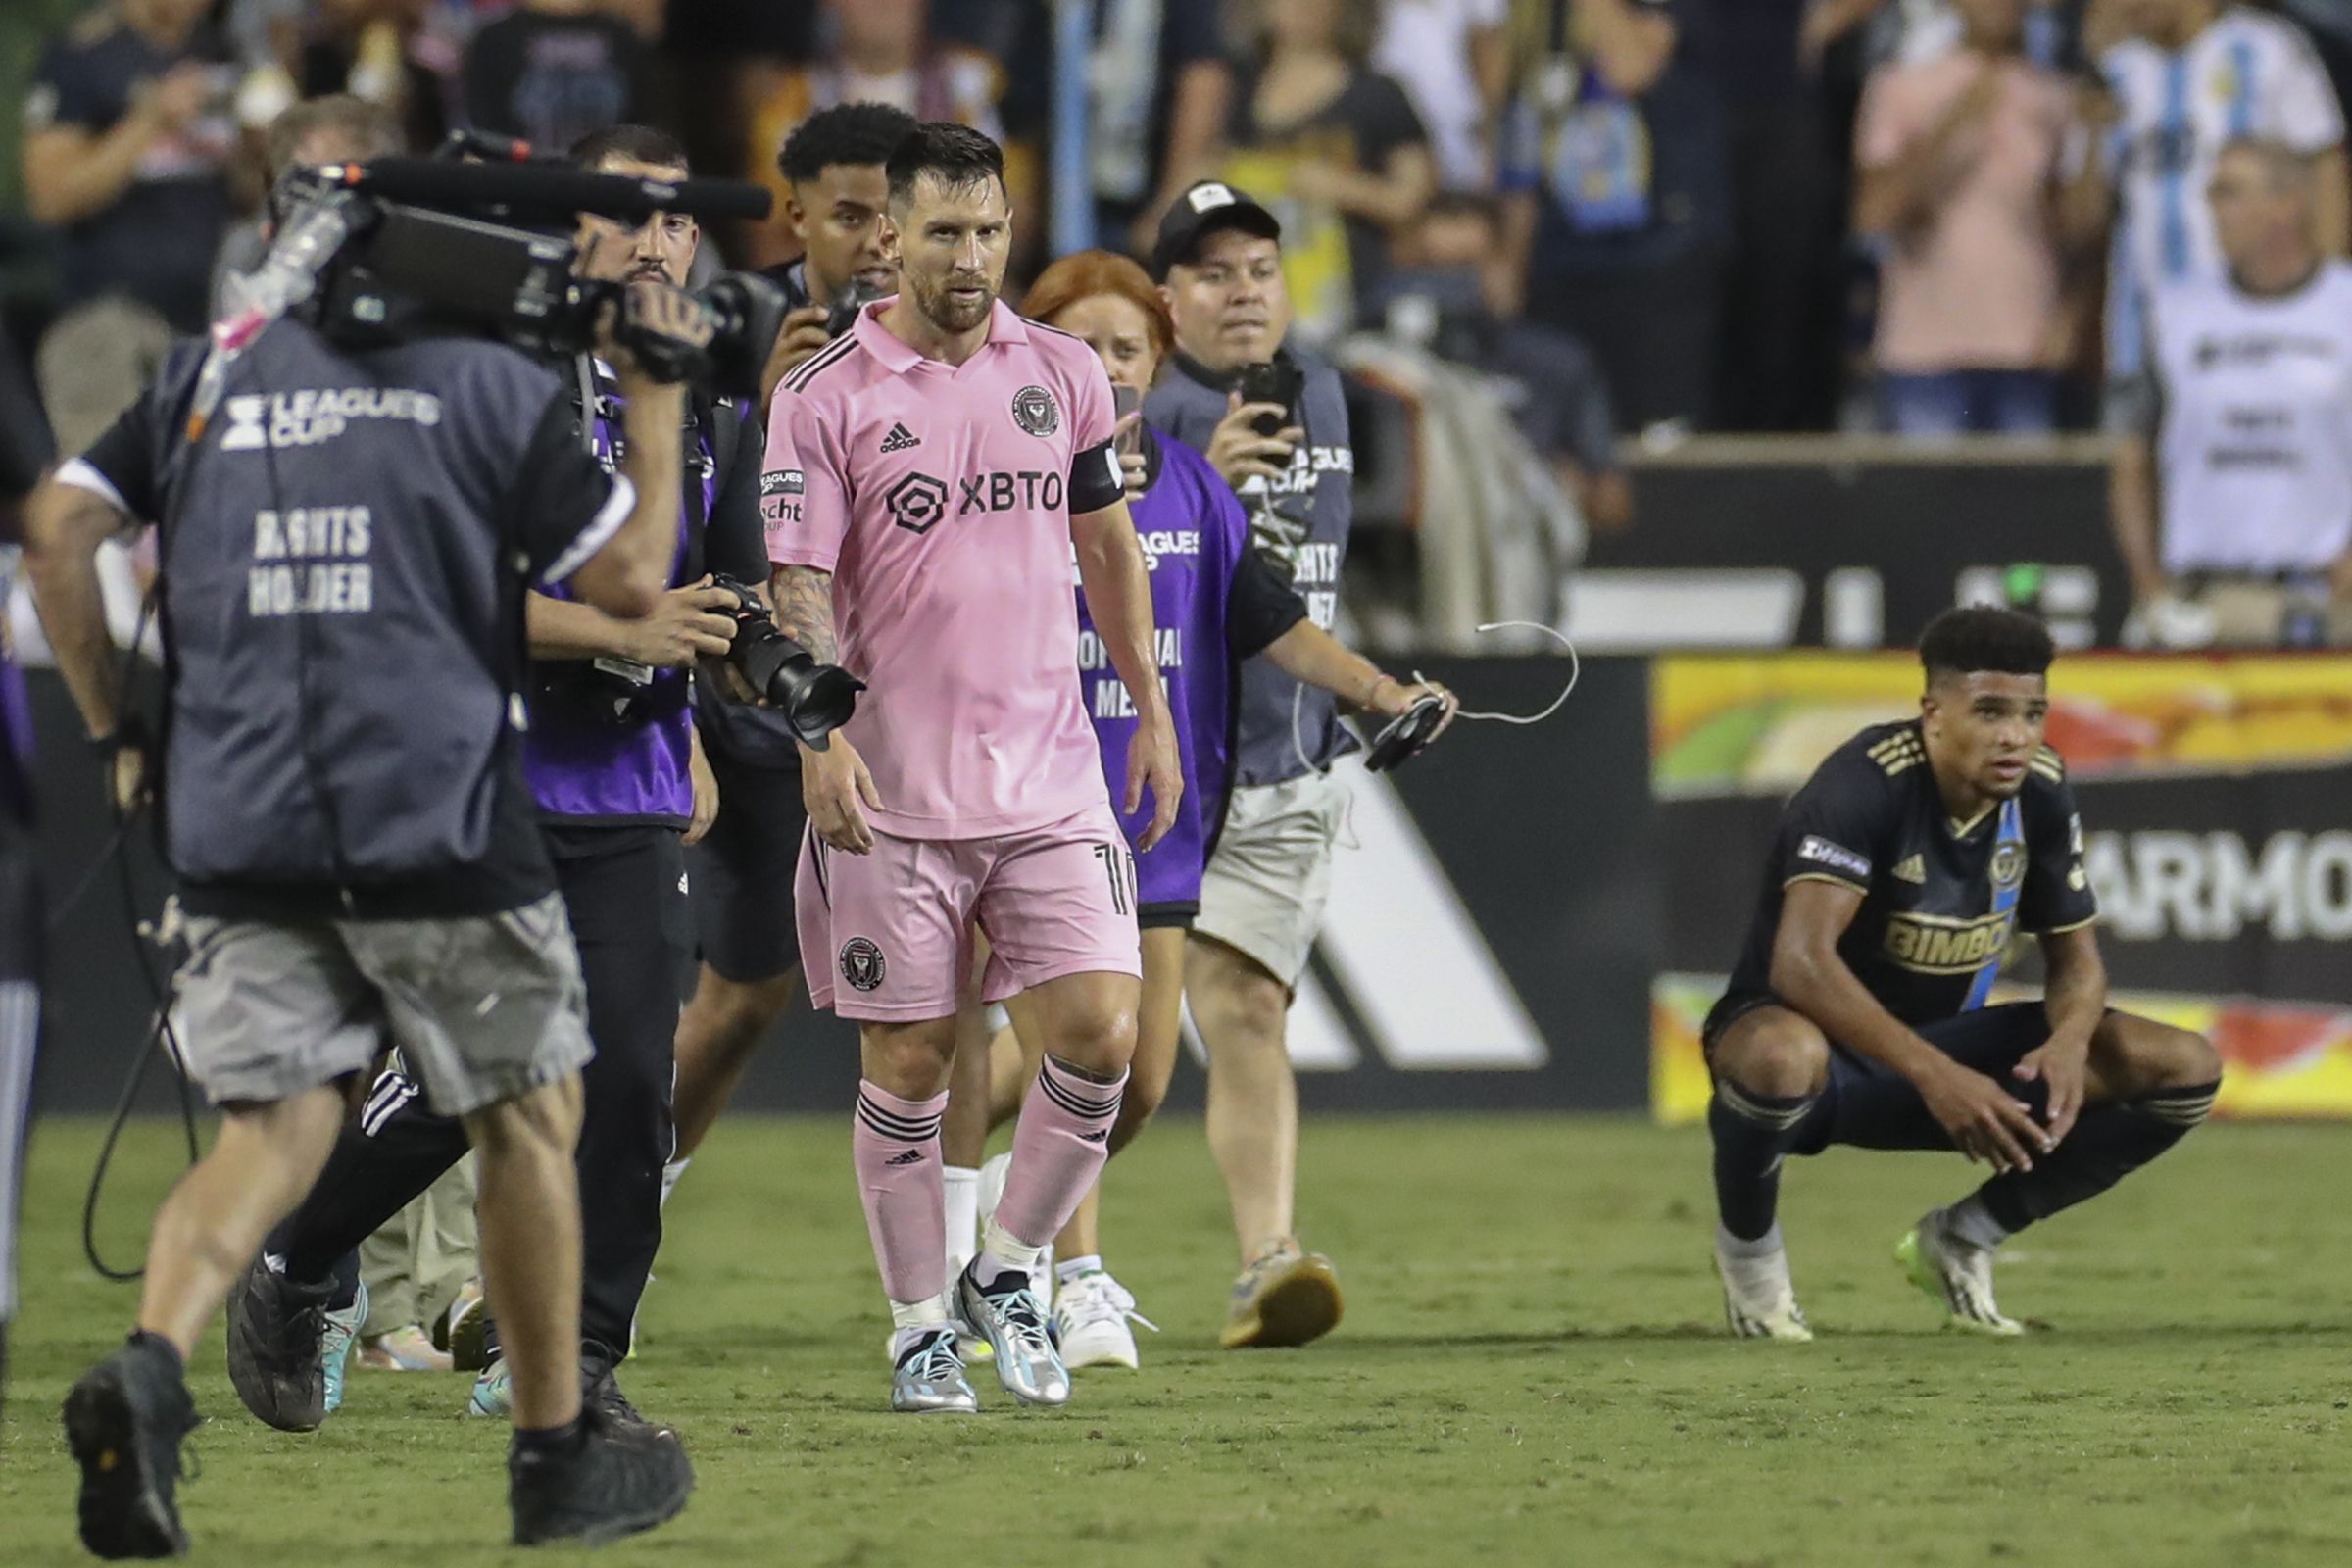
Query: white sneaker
x=992, y=1192
x=1758, y=1301
x=1091, y=1318
x=1955, y=1276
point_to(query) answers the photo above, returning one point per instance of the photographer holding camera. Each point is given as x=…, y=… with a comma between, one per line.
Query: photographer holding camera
x=353, y=496
x=836, y=195
x=1273, y=422
x=618, y=777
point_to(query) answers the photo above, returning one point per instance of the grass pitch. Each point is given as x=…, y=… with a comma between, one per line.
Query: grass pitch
x=1532, y=1371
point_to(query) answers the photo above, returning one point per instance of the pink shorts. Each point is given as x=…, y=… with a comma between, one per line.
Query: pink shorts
x=888, y=935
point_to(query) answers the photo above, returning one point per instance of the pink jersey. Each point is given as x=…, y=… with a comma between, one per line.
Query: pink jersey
x=940, y=499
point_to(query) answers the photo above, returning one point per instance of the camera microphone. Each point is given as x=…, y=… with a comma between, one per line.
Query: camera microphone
x=547, y=189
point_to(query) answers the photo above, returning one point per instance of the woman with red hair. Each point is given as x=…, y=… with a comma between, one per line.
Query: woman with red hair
x=1216, y=602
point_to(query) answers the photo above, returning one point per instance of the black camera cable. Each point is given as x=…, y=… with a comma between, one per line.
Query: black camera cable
x=161, y=1036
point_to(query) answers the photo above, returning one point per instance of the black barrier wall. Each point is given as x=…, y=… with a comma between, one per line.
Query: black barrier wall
x=1501, y=906
x=1871, y=549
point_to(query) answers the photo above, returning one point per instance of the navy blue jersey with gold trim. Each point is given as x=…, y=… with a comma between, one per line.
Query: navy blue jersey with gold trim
x=1942, y=900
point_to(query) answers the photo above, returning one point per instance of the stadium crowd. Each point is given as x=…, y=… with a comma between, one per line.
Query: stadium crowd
x=1529, y=228
x=1775, y=214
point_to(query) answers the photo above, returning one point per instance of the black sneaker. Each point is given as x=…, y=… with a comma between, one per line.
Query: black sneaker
x=600, y=1388
x=274, y=1329
x=623, y=1479
x=125, y=1421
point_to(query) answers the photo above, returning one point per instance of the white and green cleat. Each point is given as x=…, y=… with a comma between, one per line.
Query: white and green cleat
x=1759, y=1301
x=492, y=1397
x=1956, y=1276
x=334, y=1345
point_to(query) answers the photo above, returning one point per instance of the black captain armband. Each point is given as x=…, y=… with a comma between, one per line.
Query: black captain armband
x=1096, y=479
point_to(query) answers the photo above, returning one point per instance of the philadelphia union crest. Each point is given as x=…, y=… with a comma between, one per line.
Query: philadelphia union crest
x=861, y=964
x=1035, y=411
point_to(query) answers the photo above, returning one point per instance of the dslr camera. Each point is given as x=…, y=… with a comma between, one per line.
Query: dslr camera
x=814, y=699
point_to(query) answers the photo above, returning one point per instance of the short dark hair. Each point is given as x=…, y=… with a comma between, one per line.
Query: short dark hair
x=368, y=129
x=639, y=144
x=1978, y=638
x=957, y=156
x=860, y=135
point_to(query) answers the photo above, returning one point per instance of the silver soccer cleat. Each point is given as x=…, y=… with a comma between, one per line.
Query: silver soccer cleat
x=1005, y=1312
x=930, y=1378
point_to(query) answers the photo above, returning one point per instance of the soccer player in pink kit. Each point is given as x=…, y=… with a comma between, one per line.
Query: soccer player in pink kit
x=928, y=475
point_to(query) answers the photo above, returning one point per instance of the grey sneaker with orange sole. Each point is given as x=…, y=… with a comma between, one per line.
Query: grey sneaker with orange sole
x=1285, y=1298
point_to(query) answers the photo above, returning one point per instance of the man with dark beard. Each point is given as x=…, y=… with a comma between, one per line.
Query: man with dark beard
x=930, y=477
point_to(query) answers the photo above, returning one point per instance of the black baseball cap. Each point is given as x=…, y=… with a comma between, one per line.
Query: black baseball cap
x=1201, y=211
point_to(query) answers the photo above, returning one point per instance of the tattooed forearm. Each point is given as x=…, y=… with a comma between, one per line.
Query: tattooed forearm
x=803, y=600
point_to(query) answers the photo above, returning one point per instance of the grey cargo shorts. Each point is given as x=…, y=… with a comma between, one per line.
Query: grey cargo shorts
x=483, y=1008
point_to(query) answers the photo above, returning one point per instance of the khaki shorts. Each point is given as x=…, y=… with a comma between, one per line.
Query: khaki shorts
x=483, y=1008
x=1265, y=887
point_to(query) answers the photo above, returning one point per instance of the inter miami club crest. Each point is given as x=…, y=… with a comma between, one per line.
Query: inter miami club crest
x=1035, y=411
x=2008, y=863
x=861, y=964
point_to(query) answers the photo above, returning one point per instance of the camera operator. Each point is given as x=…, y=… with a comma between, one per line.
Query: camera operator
x=743, y=870
x=613, y=763
x=346, y=548
x=1219, y=265
x=836, y=193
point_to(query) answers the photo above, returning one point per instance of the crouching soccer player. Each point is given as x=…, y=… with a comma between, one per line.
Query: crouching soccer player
x=1900, y=873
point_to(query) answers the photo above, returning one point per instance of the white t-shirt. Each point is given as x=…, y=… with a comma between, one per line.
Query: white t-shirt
x=2248, y=74
x=1425, y=45
x=2255, y=445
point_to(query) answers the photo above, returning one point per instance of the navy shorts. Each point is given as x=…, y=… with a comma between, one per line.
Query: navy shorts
x=741, y=874
x=1872, y=1107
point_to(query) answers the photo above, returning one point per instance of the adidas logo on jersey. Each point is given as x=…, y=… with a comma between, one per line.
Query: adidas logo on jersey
x=900, y=439
x=1913, y=871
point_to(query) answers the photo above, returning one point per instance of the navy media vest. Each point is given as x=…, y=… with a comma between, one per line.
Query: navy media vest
x=345, y=550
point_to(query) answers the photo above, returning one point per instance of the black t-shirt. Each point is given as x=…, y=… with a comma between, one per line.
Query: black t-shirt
x=155, y=244
x=1134, y=88
x=562, y=510
x=551, y=80
x=1758, y=41
x=1941, y=901
x=1361, y=129
x=1625, y=184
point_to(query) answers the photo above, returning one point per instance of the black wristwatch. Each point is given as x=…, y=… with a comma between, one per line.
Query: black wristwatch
x=129, y=734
